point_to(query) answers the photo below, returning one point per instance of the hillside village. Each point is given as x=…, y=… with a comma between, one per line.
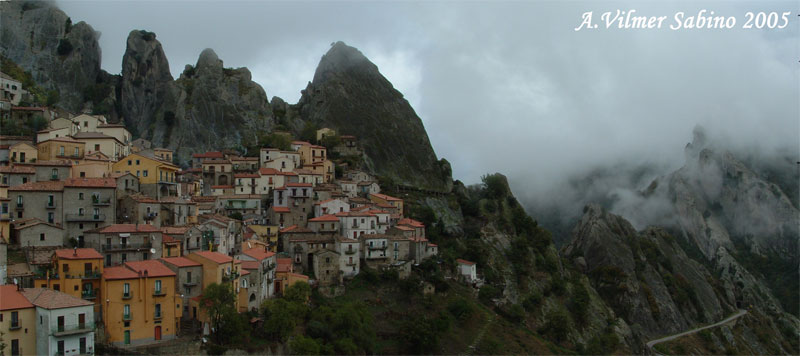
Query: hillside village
x=100, y=233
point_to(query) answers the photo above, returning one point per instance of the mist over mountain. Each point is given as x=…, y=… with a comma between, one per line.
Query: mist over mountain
x=653, y=238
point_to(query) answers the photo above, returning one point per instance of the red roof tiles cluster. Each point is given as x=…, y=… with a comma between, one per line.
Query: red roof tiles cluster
x=90, y=183
x=214, y=256
x=47, y=186
x=152, y=268
x=123, y=228
x=181, y=262
x=78, y=254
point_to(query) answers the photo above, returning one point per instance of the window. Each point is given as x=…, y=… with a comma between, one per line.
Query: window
x=61, y=150
x=137, y=162
x=5, y=208
x=158, y=286
x=15, y=320
x=77, y=151
x=129, y=162
x=158, y=311
x=126, y=288
x=144, y=173
x=80, y=211
x=97, y=147
x=41, y=237
x=51, y=218
x=54, y=173
x=60, y=347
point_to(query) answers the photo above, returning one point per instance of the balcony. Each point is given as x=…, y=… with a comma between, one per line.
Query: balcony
x=269, y=267
x=101, y=202
x=190, y=283
x=79, y=217
x=350, y=251
x=377, y=248
x=15, y=325
x=157, y=315
x=54, y=177
x=86, y=275
x=159, y=293
x=350, y=264
x=126, y=247
x=64, y=330
x=88, y=295
x=126, y=317
x=127, y=295
x=51, y=205
x=20, y=205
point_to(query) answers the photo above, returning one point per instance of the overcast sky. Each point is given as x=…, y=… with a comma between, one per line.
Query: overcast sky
x=507, y=86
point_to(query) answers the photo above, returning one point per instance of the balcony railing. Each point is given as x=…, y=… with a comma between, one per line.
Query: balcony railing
x=101, y=202
x=63, y=330
x=127, y=295
x=51, y=205
x=126, y=246
x=88, y=294
x=156, y=315
x=20, y=205
x=190, y=282
x=377, y=247
x=159, y=293
x=350, y=251
x=86, y=217
x=126, y=317
x=15, y=325
x=350, y=264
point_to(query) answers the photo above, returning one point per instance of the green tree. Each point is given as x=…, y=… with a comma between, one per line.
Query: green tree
x=279, y=321
x=298, y=292
x=309, y=132
x=302, y=345
x=218, y=301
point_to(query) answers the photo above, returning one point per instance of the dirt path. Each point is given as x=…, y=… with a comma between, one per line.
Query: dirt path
x=476, y=342
x=652, y=343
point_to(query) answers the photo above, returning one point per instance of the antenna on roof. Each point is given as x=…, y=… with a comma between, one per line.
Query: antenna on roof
x=75, y=251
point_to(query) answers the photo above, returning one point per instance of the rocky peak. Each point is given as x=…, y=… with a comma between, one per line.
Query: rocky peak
x=208, y=63
x=60, y=55
x=349, y=94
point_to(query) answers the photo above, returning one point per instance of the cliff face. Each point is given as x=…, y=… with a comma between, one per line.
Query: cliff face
x=349, y=94
x=208, y=107
x=59, y=55
x=649, y=280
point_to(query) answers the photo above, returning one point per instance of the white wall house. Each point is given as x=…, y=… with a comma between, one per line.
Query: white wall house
x=331, y=206
x=64, y=324
x=349, y=261
x=468, y=269
x=354, y=224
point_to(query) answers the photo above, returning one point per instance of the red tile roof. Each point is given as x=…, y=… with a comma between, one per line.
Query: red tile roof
x=139, y=198
x=329, y=217
x=268, y=171
x=18, y=169
x=465, y=262
x=410, y=222
x=119, y=272
x=246, y=175
x=91, y=183
x=214, y=256
x=123, y=228
x=304, y=185
x=50, y=299
x=385, y=197
x=250, y=264
x=48, y=186
x=212, y=154
x=78, y=254
x=153, y=268
x=280, y=209
x=258, y=253
x=287, y=229
x=180, y=261
x=11, y=299
x=284, y=265
x=404, y=228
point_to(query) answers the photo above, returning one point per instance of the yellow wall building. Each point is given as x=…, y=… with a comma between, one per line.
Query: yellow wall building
x=22, y=152
x=149, y=170
x=385, y=199
x=18, y=323
x=60, y=148
x=75, y=272
x=141, y=305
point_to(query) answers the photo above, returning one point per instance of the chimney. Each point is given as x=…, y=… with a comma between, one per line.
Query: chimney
x=75, y=251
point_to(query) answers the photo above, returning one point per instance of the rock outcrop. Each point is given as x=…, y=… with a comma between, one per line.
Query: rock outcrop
x=208, y=107
x=349, y=94
x=59, y=55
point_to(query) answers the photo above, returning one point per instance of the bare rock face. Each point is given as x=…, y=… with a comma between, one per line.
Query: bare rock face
x=349, y=94
x=208, y=108
x=59, y=55
x=147, y=85
x=647, y=278
x=720, y=200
